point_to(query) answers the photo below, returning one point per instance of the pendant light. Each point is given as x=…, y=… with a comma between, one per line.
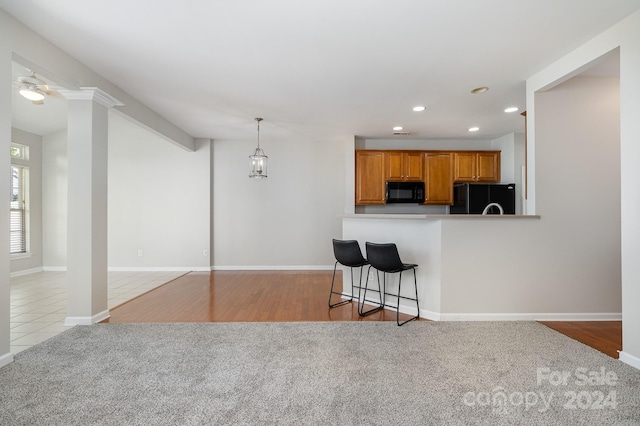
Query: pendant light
x=258, y=161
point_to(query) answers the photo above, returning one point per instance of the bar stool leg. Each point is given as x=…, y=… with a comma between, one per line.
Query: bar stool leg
x=398, y=299
x=364, y=297
x=335, y=266
x=415, y=285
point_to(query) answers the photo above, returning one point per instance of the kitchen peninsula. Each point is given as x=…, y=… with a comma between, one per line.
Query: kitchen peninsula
x=464, y=260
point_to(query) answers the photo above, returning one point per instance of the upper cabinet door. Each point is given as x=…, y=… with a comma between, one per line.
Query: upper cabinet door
x=370, y=179
x=477, y=166
x=488, y=167
x=394, y=166
x=465, y=166
x=404, y=166
x=413, y=166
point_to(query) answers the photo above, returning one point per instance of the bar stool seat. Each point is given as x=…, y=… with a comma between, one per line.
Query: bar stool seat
x=385, y=258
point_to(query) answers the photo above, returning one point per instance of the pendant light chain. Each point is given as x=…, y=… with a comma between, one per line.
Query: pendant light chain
x=258, y=120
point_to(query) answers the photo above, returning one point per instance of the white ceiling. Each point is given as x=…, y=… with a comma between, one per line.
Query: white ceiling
x=329, y=67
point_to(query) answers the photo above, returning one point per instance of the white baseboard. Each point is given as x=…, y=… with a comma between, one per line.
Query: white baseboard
x=430, y=315
x=436, y=316
x=533, y=317
x=87, y=320
x=627, y=358
x=26, y=272
x=158, y=269
x=404, y=309
x=272, y=268
x=54, y=268
x=136, y=269
x=6, y=359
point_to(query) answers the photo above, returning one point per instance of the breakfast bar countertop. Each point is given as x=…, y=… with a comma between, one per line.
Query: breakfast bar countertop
x=434, y=216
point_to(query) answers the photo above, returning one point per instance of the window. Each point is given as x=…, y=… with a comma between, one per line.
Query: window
x=19, y=151
x=19, y=201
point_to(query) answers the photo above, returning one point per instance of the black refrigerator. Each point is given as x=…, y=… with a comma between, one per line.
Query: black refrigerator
x=472, y=198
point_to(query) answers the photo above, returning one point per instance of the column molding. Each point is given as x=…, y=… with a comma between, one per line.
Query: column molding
x=92, y=94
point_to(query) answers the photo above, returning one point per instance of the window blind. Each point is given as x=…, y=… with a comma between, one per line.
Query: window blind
x=19, y=203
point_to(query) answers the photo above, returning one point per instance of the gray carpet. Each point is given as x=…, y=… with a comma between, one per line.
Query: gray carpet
x=441, y=373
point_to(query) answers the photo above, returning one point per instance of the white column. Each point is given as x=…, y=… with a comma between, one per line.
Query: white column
x=630, y=182
x=87, y=206
x=5, y=162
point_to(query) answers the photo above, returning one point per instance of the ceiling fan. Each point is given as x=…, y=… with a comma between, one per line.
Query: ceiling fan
x=34, y=88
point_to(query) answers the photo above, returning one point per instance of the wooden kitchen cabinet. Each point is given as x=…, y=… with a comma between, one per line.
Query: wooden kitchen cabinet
x=404, y=166
x=370, y=177
x=476, y=166
x=438, y=172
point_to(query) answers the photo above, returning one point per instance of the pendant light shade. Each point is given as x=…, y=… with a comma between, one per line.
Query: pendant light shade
x=258, y=161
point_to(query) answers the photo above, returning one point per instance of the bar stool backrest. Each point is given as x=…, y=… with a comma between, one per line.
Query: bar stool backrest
x=384, y=257
x=348, y=253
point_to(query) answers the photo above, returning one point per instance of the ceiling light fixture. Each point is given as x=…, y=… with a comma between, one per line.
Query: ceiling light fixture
x=511, y=109
x=258, y=161
x=479, y=90
x=419, y=108
x=32, y=95
x=398, y=128
x=474, y=129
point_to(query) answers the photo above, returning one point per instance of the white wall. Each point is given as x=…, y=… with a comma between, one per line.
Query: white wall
x=423, y=144
x=54, y=200
x=34, y=142
x=519, y=162
x=568, y=261
x=286, y=221
x=506, y=146
x=625, y=36
x=629, y=34
x=511, y=147
x=159, y=197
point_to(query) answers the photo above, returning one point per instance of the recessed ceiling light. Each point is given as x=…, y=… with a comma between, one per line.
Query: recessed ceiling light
x=474, y=129
x=419, y=108
x=479, y=90
x=398, y=128
x=511, y=109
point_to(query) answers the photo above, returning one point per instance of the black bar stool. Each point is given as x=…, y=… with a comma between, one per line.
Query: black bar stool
x=385, y=258
x=347, y=253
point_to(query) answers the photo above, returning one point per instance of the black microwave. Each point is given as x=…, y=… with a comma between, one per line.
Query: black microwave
x=405, y=192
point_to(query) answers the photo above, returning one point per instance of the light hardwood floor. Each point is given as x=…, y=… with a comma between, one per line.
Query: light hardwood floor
x=223, y=296
x=605, y=336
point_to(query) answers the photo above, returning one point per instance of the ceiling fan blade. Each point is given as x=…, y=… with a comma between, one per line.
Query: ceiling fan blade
x=54, y=94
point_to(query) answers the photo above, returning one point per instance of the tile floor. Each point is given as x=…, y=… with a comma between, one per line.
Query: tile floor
x=39, y=301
